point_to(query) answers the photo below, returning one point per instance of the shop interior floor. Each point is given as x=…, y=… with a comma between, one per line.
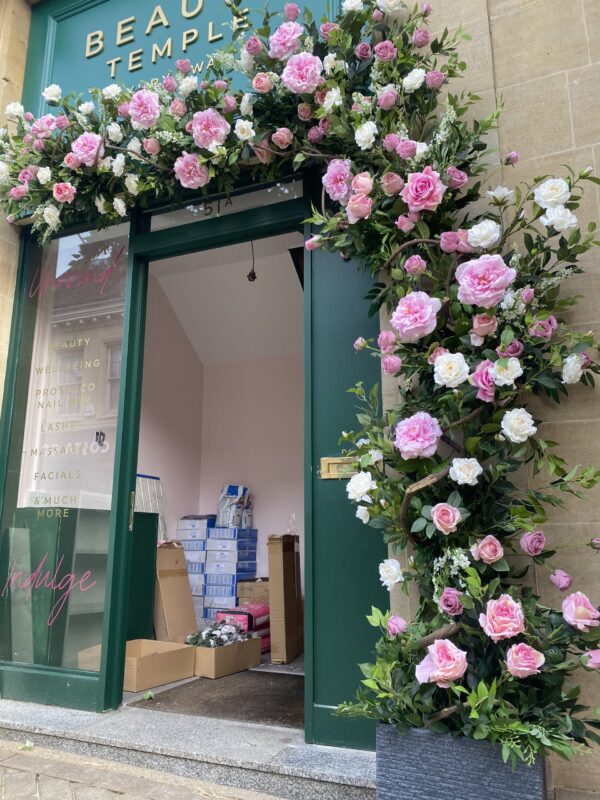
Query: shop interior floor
x=295, y=667
x=264, y=698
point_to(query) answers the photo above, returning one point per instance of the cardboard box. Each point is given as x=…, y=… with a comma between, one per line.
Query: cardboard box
x=195, y=556
x=174, y=617
x=231, y=544
x=147, y=663
x=216, y=662
x=285, y=598
x=254, y=591
x=249, y=534
x=220, y=602
x=240, y=568
x=231, y=556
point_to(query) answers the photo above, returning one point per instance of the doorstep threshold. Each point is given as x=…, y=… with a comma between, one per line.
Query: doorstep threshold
x=267, y=758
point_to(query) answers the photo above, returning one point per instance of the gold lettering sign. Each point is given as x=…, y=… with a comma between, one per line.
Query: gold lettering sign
x=94, y=44
x=188, y=13
x=158, y=18
x=125, y=31
x=165, y=51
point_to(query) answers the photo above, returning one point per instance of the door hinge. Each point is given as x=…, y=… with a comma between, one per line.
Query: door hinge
x=131, y=509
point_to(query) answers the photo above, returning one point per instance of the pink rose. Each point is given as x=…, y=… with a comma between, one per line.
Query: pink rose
x=123, y=109
x=178, y=107
x=229, y=103
x=209, y=129
x=503, y=619
x=388, y=100
x=533, y=543
x=302, y=73
x=320, y=97
x=443, y=664
x=221, y=85
x=326, y=28
x=445, y=517
x=483, y=379
x=282, y=138
x=291, y=11
x=71, y=161
x=254, y=45
x=579, y=612
x=190, y=172
x=43, y=127
x=362, y=183
x=561, y=579
x=512, y=157
x=513, y=350
x=415, y=265
x=391, y=183
x=406, y=148
x=27, y=174
x=64, y=192
x=315, y=134
x=305, y=112
x=391, y=142
x=88, y=148
x=484, y=280
x=184, y=65
x=424, y=191
x=543, y=328
x=314, y=243
x=262, y=83
x=405, y=224
x=385, y=51
x=28, y=116
x=285, y=40
x=386, y=341
x=337, y=180
x=483, y=325
x=39, y=145
x=457, y=177
x=19, y=192
x=262, y=151
x=415, y=316
x=449, y=242
x=144, y=109
x=523, y=661
x=396, y=625
x=593, y=659
x=324, y=125
x=169, y=83
x=436, y=353
x=421, y=37
x=151, y=146
x=62, y=122
x=595, y=543
x=527, y=295
x=359, y=207
x=417, y=436
x=363, y=51
x=434, y=79
x=391, y=364
x=449, y=602
x=489, y=550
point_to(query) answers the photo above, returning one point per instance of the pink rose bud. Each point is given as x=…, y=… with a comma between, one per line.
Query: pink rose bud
x=123, y=109
x=406, y=148
x=585, y=360
x=189, y=126
x=282, y=138
x=221, y=85
x=396, y=626
x=415, y=265
x=457, y=178
x=595, y=543
x=592, y=659
x=324, y=125
x=388, y=100
x=19, y=192
x=39, y=145
x=561, y=579
x=392, y=184
x=421, y=37
x=360, y=343
x=28, y=138
x=11, y=219
x=377, y=15
x=513, y=350
x=436, y=353
x=449, y=602
x=229, y=103
x=28, y=116
x=291, y=11
x=484, y=324
x=178, y=107
x=489, y=550
x=362, y=183
x=434, y=79
x=254, y=45
x=203, y=85
x=62, y=122
x=512, y=157
x=315, y=134
x=404, y=224
x=320, y=97
x=151, y=146
x=363, y=51
x=426, y=9
x=445, y=517
x=262, y=83
x=579, y=612
x=314, y=243
x=386, y=341
x=391, y=365
x=533, y=543
x=305, y=112
x=391, y=142
x=183, y=65
x=523, y=661
x=449, y=242
x=71, y=161
x=326, y=28
x=527, y=295
x=169, y=83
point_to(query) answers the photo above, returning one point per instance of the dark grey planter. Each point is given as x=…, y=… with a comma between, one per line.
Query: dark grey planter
x=421, y=765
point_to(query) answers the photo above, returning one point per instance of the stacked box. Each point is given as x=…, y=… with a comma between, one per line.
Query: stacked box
x=195, y=556
x=230, y=556
x=195, y=526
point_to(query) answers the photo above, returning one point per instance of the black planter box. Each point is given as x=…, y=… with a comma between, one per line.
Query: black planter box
x=421, y=765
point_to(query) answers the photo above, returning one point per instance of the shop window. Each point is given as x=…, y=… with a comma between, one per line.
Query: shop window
x=113, y=377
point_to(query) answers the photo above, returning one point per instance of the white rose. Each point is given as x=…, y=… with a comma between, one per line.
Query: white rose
x=450, y=369
x=362, y=512
x=517, y=425
x=333, y=99
x=114, y=132
x=118, y=165
x=105, y=163
x=329, y=63
x=86, y=108
x=390, y=573
x=246, y=61
x=465, y=471
x=354, y=6
x=376, y=456
x=572, y=370
x=505, y=375
x=552, y=192
x=559, y=218
x=52, y=93
x=365, y=135
x=120, y=207
x=247, y=105
x=244, y=130
x=135, y=146
x=501, y=195
x=100, y=204
x=187, y=85
x=14, y=111
x=393, y=8
x=52, y=217
x=111, y=92
x=422, y=149
x=414, y=80
x=131, y=183
x=4, y=172
x=359, y=486
x=485, y=234
x=44, y=175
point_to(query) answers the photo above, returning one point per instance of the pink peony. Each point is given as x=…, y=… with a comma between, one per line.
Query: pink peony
x=363, y=51
x=415, y=265
x=359, y=207
x=396, y=625
x=362, y=183
x=415, y=316
x=436, y=353
x=484, y=280
x=88, y=148
x=391, y=142
x=337, y=180
x=421, y=37
x=71, y=161
x=62, y=122
x=285, y=40
x=417, y=436
x=533, y=543
x=579, y=612
x=144, y=109
x=183, y=65
x=593, y=659
x=443, y=664
x=64, y=192
x=513, y=350
x=262, y=83
x=391, y=183
x=302, y=73
x=457, y=177
x=282, y=138
x=386, y=341
x=123, y=109
x=434, y=79
x=424, y=190
x=291, y=11
x=449, y=602
x=190, y=172
x=385, y=51
x=523, y=661
x=561, y=579
x=483, y=379
x=543, y=328
x=391, y=365
x=445, y=517
x=406, y=148
x=503, y=619
x=489, y=550
x=209, y=129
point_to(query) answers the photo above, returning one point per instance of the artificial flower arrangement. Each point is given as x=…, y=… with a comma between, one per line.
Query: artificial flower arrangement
x=476, y=327
x=219, y=634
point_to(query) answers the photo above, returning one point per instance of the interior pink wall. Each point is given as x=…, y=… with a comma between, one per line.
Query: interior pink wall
x=171, y=419
x=253, y=434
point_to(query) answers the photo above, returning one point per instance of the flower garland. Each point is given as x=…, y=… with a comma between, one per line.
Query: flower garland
x=476, y=328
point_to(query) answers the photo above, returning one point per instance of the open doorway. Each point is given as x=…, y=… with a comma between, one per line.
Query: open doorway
x=223, y=405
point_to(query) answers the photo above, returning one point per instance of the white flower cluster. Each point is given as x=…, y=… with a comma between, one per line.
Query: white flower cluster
x=451, y=564
x=443, y=131
x=169, y=137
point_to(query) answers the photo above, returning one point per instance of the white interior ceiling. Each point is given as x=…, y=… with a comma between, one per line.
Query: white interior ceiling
x=228, y=318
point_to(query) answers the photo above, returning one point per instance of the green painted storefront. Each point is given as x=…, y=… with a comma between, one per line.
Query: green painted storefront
x=341, y=555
